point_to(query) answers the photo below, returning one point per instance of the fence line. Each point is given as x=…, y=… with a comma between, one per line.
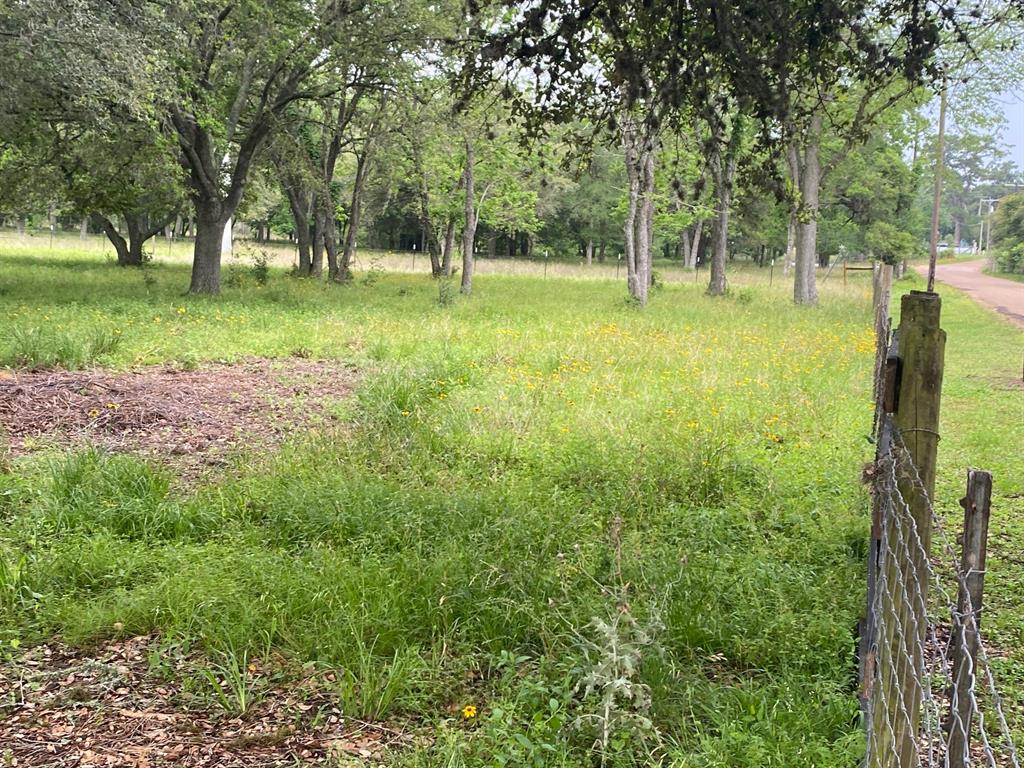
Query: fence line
x=928, y=692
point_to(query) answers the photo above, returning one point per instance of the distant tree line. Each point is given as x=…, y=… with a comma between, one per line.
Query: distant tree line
x=588, y=129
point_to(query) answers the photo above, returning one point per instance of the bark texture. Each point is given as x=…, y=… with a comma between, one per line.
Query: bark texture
x=469, y=232
x=639, y=225
x=806, y=173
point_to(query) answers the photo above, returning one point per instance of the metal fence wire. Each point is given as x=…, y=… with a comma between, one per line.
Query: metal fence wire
x=929, y=694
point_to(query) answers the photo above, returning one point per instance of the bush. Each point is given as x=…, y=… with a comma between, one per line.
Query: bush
x=1011, y=259
x=889, y=243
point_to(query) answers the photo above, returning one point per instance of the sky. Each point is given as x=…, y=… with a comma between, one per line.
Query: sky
x=1013, y=109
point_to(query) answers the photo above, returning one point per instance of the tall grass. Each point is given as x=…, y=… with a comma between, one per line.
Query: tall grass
x=510, y=461
x=40, y=348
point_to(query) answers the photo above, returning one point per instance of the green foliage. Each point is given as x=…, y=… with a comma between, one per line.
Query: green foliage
x=261, y=267
x=375, y=687
x=888, y=243
x=1008, y=233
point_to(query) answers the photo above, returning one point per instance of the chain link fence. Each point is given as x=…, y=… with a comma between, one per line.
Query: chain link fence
x=928, y=692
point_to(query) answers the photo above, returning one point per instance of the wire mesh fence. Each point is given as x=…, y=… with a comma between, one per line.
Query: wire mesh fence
x=928, y=691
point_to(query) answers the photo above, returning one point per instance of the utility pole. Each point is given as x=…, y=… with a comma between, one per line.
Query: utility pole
x=985, y=240
x=981, y=228
x=937, y=200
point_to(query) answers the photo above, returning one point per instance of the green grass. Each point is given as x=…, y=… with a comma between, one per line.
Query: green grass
x=460, y=540
x=1015, y=276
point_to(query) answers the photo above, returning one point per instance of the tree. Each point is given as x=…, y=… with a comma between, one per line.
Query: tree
x=1008, y=232
x=726, y=146
x=496, y=185
x=80, y=106
x=239, y=66
x=668, y=61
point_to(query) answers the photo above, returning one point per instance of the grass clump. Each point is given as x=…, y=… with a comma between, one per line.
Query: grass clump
x=40, y=348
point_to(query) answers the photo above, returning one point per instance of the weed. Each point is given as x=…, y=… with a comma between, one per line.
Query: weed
x=374, y=687
x=374, y=272
x=261, y=267
x=149, y=280
x=743, y=295
x=232, y=682
x=446, y=291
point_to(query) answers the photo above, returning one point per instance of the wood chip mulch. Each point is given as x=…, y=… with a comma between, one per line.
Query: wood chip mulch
x=189, y=416
x=61, y=707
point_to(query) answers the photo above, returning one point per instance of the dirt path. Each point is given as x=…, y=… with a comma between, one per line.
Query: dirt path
x=1004, y=296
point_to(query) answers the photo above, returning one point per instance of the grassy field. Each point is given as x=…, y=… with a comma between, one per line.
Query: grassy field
x=281, y=254
x=583, y=520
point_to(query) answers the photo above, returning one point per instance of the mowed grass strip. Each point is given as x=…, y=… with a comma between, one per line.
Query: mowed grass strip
x=514, y=470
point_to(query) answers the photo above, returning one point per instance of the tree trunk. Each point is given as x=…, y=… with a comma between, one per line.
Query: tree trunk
x=629, y=227
x=956, y=234
x=698, y=233
x=449, y=247
x=590, y=251
x=806, y=173
x=430, y=246
x=344, y=270
x=329, y=238
x=720, y=228
x=83, y=228
x=206, y=259
x=492, y=245
x=119, y=243
x=300, y=213
x=638, y=228
x=319, y=239
x=645, y=230
x=600, y=251
x=469, y=232
x=137, y=236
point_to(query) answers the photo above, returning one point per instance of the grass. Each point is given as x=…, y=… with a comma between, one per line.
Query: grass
x=516, y=466
x=1015, y=276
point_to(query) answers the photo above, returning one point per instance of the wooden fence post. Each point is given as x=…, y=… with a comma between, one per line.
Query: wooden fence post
x=966, y=631
x=897, y=696
x=868, y=627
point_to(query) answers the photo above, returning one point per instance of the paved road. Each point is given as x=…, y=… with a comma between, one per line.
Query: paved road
x=1004, y=296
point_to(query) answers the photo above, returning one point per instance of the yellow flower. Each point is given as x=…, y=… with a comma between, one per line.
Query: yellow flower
x=181, y=310
x=94, y=413
x=469, y=711
x=477, y=409
x=113, y=406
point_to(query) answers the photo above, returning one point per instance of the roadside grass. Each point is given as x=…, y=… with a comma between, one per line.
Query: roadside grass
x=1015, y=276
x=541, y=491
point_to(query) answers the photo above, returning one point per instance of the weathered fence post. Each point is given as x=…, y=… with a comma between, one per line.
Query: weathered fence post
x=967, y=621
x=868, y=627
x=897, y=695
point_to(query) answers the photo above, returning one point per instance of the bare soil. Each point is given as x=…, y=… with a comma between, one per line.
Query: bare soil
x=61, y=707
x=195, y=417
